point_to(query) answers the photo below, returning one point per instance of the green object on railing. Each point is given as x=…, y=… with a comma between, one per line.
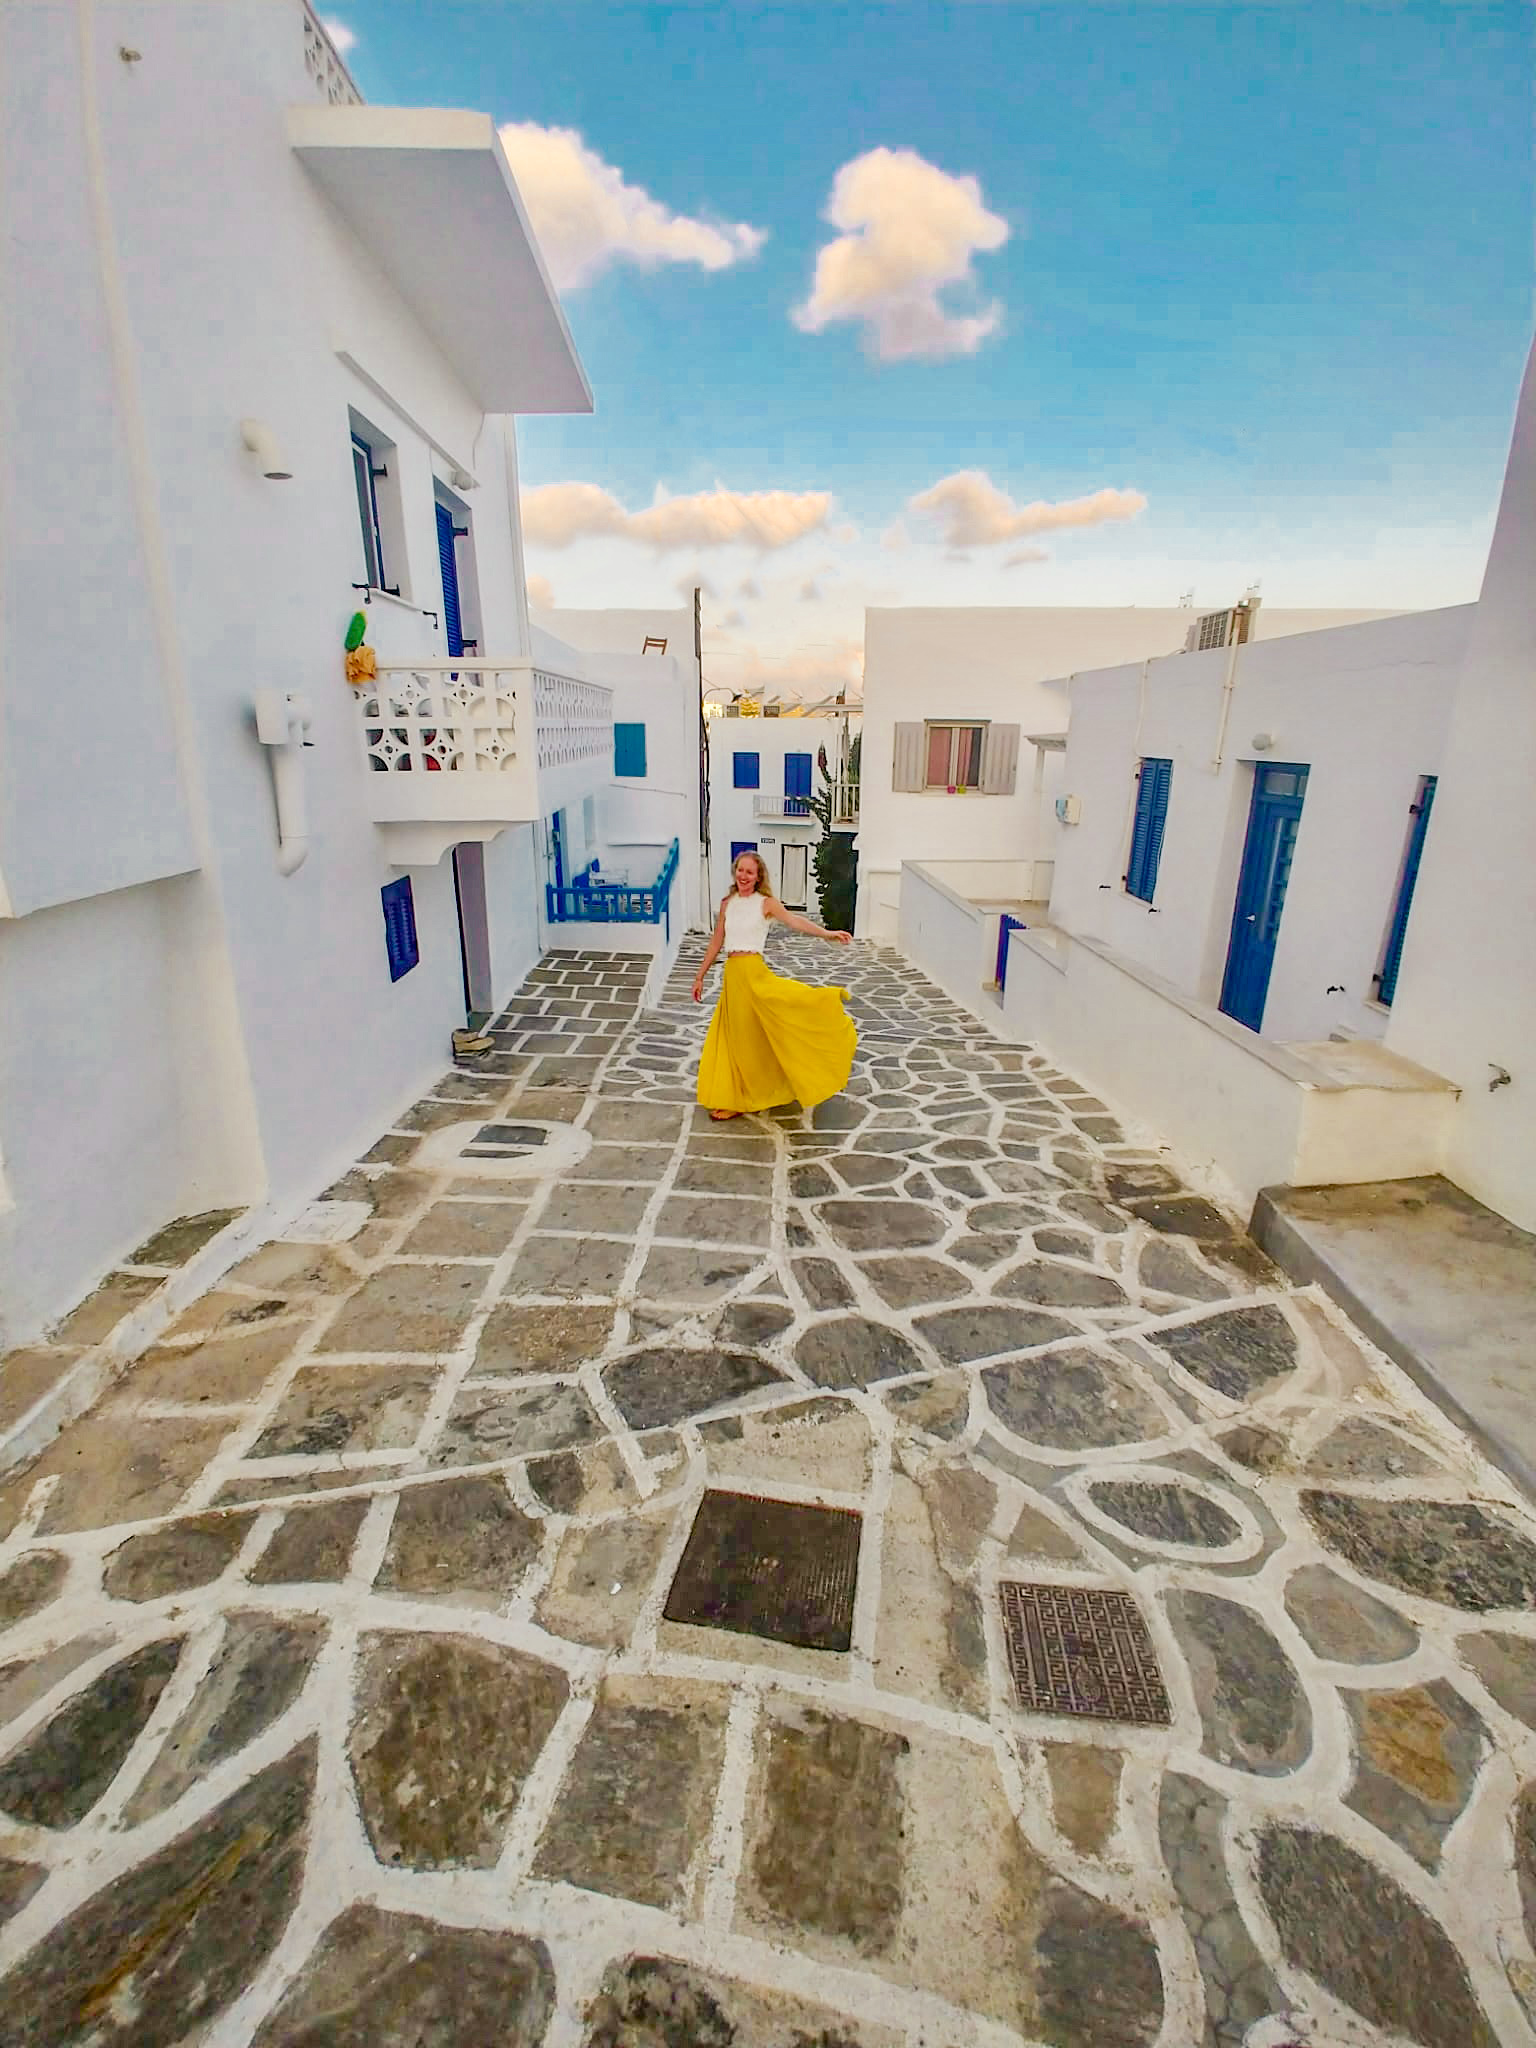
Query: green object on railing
x=355, y=631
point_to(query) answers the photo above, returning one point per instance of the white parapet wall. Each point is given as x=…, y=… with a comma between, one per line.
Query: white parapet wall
x=949, y=917
x=1239, y=1112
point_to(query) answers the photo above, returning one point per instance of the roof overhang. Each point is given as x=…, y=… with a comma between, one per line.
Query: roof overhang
x=1048, y=742
x=431, y=196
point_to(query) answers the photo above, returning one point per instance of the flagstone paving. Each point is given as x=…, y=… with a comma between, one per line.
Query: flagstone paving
x=353, y=1688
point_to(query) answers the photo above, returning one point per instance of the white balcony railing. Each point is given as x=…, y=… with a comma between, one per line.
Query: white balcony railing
x=845, y=804
x=460, y=748
x=323, y=62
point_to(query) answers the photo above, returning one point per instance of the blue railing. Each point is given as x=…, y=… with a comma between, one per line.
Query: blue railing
x=586, y=901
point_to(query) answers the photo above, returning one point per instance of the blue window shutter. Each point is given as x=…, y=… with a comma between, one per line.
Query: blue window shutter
x=741, y=846
x=1147, y=833
x=797, y=779
x=400, y=927
x=629, y=750
x=745, y=772
x=1392, y=959
x=452, y=621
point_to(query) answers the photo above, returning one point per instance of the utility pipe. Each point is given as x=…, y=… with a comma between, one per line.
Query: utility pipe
x=282, y=720
x=1228, y=685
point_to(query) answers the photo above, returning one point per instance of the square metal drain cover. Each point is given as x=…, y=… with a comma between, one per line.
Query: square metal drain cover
x=510, y=1134
x=770, y=1568
x=1082, y=1650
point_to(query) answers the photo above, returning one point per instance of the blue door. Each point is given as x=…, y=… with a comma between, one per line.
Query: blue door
x=1273, y=822
x=453, y=622
x=557, y=847
x=797, y=784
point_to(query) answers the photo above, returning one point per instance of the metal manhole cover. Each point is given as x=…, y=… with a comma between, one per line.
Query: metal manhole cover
x=1084, y=1651
x=770, y=1568
x=510, y=1134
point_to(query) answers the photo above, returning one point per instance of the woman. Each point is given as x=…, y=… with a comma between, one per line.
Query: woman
x=771, y=1040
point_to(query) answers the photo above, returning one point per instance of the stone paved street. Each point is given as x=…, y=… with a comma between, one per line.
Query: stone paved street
x=373, y=1669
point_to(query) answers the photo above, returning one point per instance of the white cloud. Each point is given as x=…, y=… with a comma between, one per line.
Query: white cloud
x=556, y=515
x=1022, y=555
x=749, y=587
x=975, y=513
x=896, y=536
x=586, y=217
x=540, y=594
x=342, y=37
x=733, y=622
x=845, y=533
x=691, y=580
x=909, y=230
x=810, y=592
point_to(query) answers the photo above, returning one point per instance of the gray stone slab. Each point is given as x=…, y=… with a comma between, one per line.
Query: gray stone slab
x=1073, y=1400
x=684, y=1273
x=331, y=1408
x=1417, y=1752
x=1507, y=1666
x=407, y=1308
x=311, y=1545
x=852, y=1351
x=988, y=1330
x=1239, y=1352
x=1165, y=1511
x=633, y=1816
x=56, y=1777
x=489, y=1423
x=873, y=1226
x=174, y=1559
x=520, y=1338
x=665, y=1384
x=1353, y=1928
x=217, y=1901
x=27, y=1586
x=1343, y=1622
x=446, y=1731
x=657, y=2002
x=569, y=1265
x=700, y=1219
x=1440, y=1283
x=1441, y=1550
x=463, y=1539
x=1252, y=1706
x=822, y=1283
x=464, y=1230
x=585, y=1206
x=395, y=1980
x=913, y=1281
x=1239, y=1988
x=1059, y=1286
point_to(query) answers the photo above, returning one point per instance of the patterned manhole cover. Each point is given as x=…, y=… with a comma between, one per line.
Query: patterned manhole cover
x=770, y=1568
x=510, y=1134
x=1082, y=1650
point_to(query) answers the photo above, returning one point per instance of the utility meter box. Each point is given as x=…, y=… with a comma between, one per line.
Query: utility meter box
x=1069, y=809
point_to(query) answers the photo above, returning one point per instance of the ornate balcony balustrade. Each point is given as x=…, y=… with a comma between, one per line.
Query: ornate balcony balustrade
x=323, y=62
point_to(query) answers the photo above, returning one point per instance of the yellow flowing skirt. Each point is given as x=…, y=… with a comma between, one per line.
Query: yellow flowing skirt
x=774, y=1040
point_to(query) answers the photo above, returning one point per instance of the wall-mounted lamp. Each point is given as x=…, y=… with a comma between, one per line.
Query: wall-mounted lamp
x=1262, y=742
x=461, y=480
x=260, y=442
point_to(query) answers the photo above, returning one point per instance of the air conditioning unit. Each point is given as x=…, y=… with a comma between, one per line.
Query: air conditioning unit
x=1234, y=626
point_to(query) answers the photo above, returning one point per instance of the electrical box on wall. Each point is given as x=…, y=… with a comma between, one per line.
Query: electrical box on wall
x=1069, y=809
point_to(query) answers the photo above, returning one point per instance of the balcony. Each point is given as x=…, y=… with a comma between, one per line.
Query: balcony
x=845, y=804
x=461, y=749
x=596, y=897
x=322, y=61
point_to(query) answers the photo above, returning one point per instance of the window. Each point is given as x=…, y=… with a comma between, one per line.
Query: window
x=400, y=927
x=744, y=771
x=1155, y=781
x=365, y=472
x=797, y=784
x=456, y=560
x=629, y=750
x=376, y=483
x=1413, y=853
x=954, y=757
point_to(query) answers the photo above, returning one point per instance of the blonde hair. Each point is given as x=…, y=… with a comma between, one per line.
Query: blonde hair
x=764, y=886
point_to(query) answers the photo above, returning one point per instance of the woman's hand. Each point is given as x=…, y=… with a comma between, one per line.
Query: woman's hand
x=841, y=938
x=698, y=988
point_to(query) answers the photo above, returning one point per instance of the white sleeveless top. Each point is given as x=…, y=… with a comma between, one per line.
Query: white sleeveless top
x=746, y=924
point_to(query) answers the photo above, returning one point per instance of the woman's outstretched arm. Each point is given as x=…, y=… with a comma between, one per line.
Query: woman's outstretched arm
x=712, y=954
x=797, y=923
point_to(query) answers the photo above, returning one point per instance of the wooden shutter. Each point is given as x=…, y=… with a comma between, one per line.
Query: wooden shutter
x=447, y=534
x=999, y=760
x=400, y=927
x=1155, y=780
x=909, y=760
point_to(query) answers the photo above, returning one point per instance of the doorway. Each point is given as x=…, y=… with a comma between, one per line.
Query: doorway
x=1274, y=818
x=793, y=872
x=474, y=931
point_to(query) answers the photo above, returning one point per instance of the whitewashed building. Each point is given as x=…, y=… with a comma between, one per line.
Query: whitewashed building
x=260, y=354
x=1293, y=891
x=761, y=771
x=965, y=712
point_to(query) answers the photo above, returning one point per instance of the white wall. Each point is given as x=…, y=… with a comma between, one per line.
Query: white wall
x=1008, y=664
x=239, y=292
x=1365, y=707
x=1466, y=992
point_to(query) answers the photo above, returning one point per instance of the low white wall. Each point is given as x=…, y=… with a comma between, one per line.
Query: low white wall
x=953, y=940
x=982, y=881
x=1240, y=1113
x=514, y=883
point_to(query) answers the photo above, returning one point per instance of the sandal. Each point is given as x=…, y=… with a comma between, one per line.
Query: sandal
x=723, y=1116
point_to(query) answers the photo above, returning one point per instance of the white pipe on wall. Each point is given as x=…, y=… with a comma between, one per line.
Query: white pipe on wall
x=282, y=720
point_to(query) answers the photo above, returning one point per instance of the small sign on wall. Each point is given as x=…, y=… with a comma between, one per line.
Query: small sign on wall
x=400, y=927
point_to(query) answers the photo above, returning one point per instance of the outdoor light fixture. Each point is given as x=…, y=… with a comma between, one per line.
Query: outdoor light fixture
x=461, y=480
x=1262, y=742
x=259, y=440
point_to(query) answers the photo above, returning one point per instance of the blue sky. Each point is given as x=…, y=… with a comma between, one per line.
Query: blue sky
x=1267, y=268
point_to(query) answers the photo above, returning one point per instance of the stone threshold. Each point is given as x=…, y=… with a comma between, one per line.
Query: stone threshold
x=46, y=1385
x=1442, y=1285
